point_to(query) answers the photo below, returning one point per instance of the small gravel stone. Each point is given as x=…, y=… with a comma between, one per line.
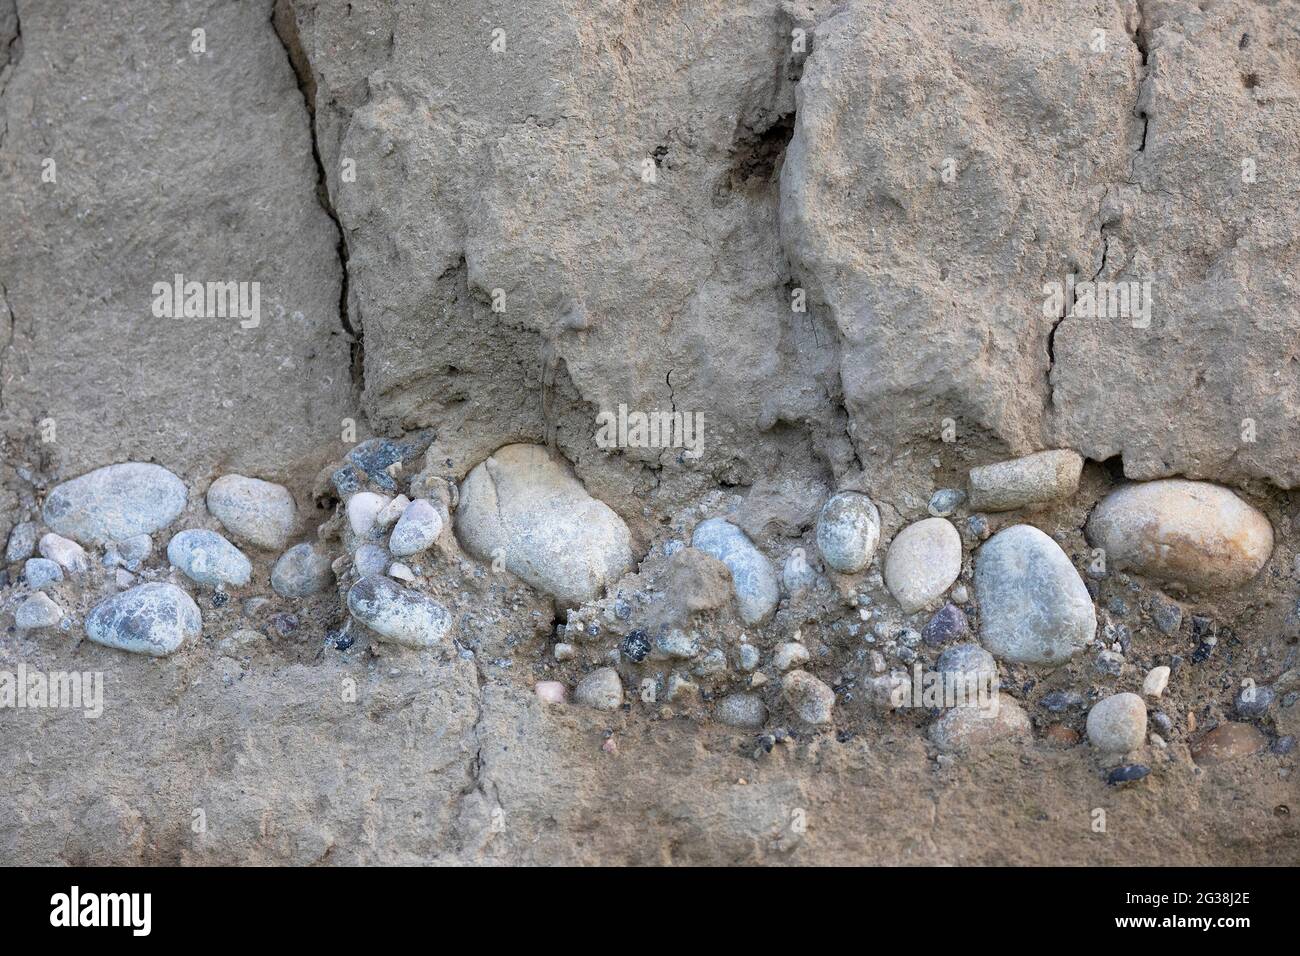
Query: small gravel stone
x=1109, y=662
x=22, y=542
x=1228, y=742
x=960, y=594
x=1061, y=700
x=152, y=619
x=363, y=512
x=848, y=529
x=1034, y=479
x=1128, y=773
x=636, y=646
x=1253, y=702
x=601, y=690
x=979, y=526
x=301, y=571
x=66, y=554
x=748, y=657
x=40, y=573
x=400, y=572
x=752, y=576
x=1118, y=724
x=1166, y=615
x=550, y=691
x=37, y=612
x=391, y=512
x=811, y=699
x=1284, y=745
x=398, y=614
x=564, y=652
x=1154, y=684
x=945, y=501
x=948, y=624
x=741, y=710
x=798, y=574
x=255, y=512
x=679, y=688
x=792, y=654
x=966, y=728
x=205, y=557
x=712, y=664
x=130, y=552
x=115, y=502
x=417, y=528
x=370, y=559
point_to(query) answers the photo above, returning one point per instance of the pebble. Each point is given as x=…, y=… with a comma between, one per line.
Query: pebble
x=601, y=690
x=1129, y=773
x=1163, y=721
x=401, y=615
x=1154, y=684
x=66, y=554
x=848, y=529
x=370, y=559
x=923, y=561
x=205, y=557
x=960, y=594
x=1035, y=479
x=674, y=642
x=40, y=573
x=1196, y=533
x=1061, y=700
x=152, y=619
x=1166, y=615
x=712, y=664
x=363, y=511
x=1284, y=745
x=748, y=657
x=741, y=710
x=1061, y=735
x=130, y=552
x=1253, y=702
x=790, y=655
x=37, y=612
x=22, y=542
x=1228, y=742
x=966, y=728
x=1118, y=724
x=948, y=624
x=256, y=512
x=752, y=577
x=1109, y=662
x=945, y=501
x=115, y=502
x=550, y=691
x=390, y=513
x=401, y=572
x=526, y=507
x=636, y=646
x=417, y=528
x=798, y=574
x=679, y=688
x=1034, y=606
x=979, y=526
x=564, y=652
x=811, y=699
x=301, y=571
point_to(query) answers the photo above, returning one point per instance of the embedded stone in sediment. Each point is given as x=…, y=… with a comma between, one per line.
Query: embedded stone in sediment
x=601, y=690
x=398, y=614
x=1192, y=532
x=416, y=530
x=205, y=557
x=923, y=561
x=153, y=619
x=848, y=529
x=1034, y=607
x=809, y=697
x=972, y=726
x=67, y=554
x=753, y=579
x=1036, y=479
x=256, y=512
x=1118, y=724
x=525, y=507
x=301, y=571
x=115, y=502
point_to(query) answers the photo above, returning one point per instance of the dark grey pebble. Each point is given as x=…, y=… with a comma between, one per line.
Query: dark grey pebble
x=636, y=646
x=948, y=624
x=1252, y=702
x=1127, y=774
x=1059, y=700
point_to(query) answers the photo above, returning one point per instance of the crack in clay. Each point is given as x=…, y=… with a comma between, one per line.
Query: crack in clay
x=286, y=32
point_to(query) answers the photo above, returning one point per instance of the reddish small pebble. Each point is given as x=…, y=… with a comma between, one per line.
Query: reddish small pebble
x=609, y=746
x=1061, y=735
x=550, y=692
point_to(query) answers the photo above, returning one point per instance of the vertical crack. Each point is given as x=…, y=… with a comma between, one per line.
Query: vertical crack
x=285, y=24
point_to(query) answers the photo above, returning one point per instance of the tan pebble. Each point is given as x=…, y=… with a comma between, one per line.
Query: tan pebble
x=1061, y=735
x=1227, y=742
